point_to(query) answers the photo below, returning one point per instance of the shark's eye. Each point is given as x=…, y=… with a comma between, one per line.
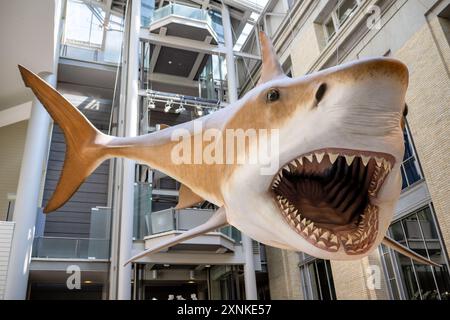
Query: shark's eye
x=273, y=95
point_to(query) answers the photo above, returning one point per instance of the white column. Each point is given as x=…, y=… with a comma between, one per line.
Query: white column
x=130, y=123
x=28, y=191
x=249, y=265
x=229, y=55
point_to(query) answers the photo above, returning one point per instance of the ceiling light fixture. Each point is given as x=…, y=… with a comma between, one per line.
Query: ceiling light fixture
x=168, y=106
x=199, y=111
x=181, y=108
x=150, y=103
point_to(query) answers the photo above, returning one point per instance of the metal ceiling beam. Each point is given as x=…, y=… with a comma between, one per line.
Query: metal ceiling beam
x=156, y=50
x=199, y=60
x=180, y=43
x=189, y=45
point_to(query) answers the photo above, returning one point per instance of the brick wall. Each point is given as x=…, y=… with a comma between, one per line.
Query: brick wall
x=284, y=274
x=427, y=55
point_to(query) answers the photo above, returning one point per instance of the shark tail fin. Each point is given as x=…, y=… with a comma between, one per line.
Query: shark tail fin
x=85, y=150
x=218, y=220
x=394, y=245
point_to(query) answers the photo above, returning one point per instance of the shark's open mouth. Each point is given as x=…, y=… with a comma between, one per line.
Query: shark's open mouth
x=326, y=196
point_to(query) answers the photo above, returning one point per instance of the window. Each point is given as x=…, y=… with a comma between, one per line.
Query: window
x=410, y=167
x=345, y=9
x=317, y=279
x=330, y=28
x=91, y=34
x=338, y=16
x=407, y=279
x=290, y=3
x=84, y=24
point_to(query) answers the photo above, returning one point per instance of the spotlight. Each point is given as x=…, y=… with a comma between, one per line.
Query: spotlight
x=199, y=111
x=151, y=103
x=168, y=106
x=180, y=109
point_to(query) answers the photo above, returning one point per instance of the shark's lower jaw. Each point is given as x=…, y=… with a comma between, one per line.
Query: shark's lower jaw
x=327, y=197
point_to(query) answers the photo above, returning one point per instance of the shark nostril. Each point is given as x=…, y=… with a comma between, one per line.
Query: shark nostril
x=320, y=92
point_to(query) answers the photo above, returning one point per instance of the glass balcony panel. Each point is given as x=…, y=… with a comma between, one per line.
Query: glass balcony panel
x=162, y=221
x=212, y=18
x=70, y=248
x=147, y=9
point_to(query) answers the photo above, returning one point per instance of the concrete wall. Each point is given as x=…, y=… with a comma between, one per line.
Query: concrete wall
x=12, y=141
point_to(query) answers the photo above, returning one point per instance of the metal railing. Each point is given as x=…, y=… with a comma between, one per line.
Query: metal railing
x=70, y=248
x=189, y=13
x=182, y=220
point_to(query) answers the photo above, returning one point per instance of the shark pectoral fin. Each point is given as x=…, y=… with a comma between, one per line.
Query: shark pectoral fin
x=394, y=245
x=187, y=198
x=218, y=220
x=270, y=68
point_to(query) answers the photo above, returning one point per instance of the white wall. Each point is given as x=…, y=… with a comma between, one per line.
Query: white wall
x=26, y=37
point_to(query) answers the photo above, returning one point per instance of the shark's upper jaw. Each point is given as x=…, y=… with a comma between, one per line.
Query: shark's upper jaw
x=327, y=196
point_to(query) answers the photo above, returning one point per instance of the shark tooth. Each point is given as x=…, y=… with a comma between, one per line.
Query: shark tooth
x=365, y=160
x=349, y=240
x=316, y=232
x=300, y=161
x=333, y=157
x=379, y=161
x=310, y=158
x=333, y=248
x=334, y=239
x=319, y=157
x=321, y=244
x=287, y=169
x=325, y=235
x=349, y=159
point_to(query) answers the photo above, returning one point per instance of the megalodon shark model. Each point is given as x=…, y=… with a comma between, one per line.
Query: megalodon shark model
x=340, y=149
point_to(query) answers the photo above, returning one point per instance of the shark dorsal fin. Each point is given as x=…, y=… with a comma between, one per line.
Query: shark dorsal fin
x=271, y=68
x=187, y=198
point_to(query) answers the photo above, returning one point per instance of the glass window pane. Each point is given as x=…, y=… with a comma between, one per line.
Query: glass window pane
x=411, y=171
x=416, y=225
x=408, y=149
x=346, y=9
x=313, y=277
x=409, y=279
x=83, y=24
x=397, y=232
x=427, y=284
x=394, y=289
x=443, y=281
x=329, y=26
